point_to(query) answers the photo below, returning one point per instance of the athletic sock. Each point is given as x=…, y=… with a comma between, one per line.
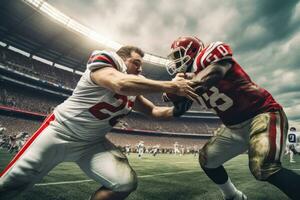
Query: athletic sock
x=228, y=189
x=220, y=177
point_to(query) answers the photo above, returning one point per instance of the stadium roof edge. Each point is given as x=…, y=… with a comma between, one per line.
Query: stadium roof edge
x=29, y=30
x=50, y=11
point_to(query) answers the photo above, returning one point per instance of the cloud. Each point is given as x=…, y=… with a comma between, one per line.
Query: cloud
x=263, y=34
x=268, y=22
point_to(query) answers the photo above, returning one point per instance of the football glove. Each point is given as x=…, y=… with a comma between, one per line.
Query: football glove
x=168, y=97
x=180, y=107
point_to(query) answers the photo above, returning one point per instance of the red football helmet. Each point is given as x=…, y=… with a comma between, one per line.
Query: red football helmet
x=184, y=52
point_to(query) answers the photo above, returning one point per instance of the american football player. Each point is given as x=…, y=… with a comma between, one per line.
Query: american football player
x=176, y=148
x=155, y=150
x=253, y=120
x=127, y=149
x=108, y=90
x=140, y=148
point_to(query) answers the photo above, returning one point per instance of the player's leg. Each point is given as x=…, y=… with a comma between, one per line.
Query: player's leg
x=140, y=152
x=110, y=168
x=292, y=157
x=221, y=148
x=37, y=157
x=267, y=141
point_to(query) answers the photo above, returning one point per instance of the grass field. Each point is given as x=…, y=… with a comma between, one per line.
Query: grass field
x=165, y=177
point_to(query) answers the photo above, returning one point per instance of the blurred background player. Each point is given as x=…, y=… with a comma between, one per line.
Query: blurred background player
x=291, y=151
x=140, y=149
x=195, y=150
x=127, y=149
x=2, y=135
x=291, y=142
x=2, y=140
x=2, y=130
x=176, y=148
x=155, y=150
x=108, y=90
x=20, y=140
x=12, y=143
x=182, y=150
x=253, y=120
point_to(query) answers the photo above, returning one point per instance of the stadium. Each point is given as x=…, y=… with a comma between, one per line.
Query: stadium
x=43, y=54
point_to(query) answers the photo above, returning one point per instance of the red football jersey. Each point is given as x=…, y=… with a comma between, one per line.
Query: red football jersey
x=236, y=98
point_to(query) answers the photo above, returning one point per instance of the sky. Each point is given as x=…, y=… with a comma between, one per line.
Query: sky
x=264, y=34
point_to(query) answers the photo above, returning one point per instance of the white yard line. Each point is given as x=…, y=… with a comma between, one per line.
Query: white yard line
x=168, y=173
x=142, y=176
x=63, y=182
x=90, y=180
x=295, y=169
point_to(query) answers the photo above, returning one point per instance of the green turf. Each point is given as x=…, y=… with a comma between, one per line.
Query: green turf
x=171, y=178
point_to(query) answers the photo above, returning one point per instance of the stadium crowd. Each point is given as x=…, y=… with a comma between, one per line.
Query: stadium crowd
x=33, y=101
x=13, y=143
x=35, y=68
x=182, y=125
x=29, y=100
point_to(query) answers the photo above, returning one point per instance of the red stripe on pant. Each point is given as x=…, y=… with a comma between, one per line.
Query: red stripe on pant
x=272, y=137
x=44, y=125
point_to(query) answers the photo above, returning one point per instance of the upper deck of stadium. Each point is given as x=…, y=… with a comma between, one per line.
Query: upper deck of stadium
x=43, y=32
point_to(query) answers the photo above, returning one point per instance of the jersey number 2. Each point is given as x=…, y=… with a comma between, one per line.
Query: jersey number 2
x=97, y=109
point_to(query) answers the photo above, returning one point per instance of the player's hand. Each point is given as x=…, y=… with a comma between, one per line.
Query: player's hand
x=178, y=76
x=188, y=76
x=184, y=87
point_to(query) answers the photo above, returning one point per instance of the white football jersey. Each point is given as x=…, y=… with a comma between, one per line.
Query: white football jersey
x=91, y=111
x=140, y=145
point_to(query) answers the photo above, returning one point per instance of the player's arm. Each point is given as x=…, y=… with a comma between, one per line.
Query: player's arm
x=132, y=85
x=211, y=75
x=146, y=107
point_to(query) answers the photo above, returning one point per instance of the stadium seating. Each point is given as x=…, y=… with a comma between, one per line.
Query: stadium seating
x=26, y=99
x=37, y=69
x=15, y=125
x=157, y=100
x=182, y=125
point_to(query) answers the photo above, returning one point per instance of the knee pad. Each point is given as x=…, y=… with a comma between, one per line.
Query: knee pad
x=206, y=162
x=128, y=183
